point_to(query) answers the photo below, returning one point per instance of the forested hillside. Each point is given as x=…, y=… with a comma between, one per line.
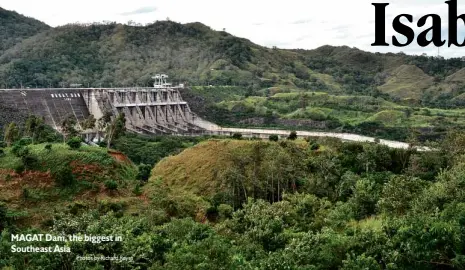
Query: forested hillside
x=15, y=27
x=234, y=82
x=125, y=55
x=236, y=204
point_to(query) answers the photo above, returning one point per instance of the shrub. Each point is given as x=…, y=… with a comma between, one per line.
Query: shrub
x=29, y=161
x=63, y=175
x=237, y=136
x=144, y=172
x=74, y=143
x=137, y=190
x=225, y=211
x=4, y=219
x=111, y=185
x=19, y=169
x=24, y=141
x=273, y=138
x=314, y=146
x=292, y=135
x=19, y=150
x=3, y=144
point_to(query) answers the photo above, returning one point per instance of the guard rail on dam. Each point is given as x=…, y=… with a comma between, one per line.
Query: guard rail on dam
x=157, y=110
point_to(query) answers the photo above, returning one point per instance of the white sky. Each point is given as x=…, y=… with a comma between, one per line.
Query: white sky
x=305, y=24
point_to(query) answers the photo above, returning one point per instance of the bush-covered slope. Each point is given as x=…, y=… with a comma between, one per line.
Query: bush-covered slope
x=15, y=27
x=36, y=180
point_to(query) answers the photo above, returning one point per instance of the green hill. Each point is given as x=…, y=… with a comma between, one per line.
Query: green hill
x=37, y=182
x=198, y=168
x=407, y=82
x=15, y=27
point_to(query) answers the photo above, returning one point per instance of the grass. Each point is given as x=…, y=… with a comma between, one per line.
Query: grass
x=407, y=81
x=197, y=169
x=371, y=224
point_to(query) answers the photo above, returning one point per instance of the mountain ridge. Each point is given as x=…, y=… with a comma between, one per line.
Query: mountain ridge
x=232, y=81
x=15, y=27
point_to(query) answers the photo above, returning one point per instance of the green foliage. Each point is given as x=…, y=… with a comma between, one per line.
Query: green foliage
x=314, y=146
x=111, y=185
x=237, y=136
x=273, y=138
x=74, y=143
x=292, y=135
x=63, y=175
x=361, y=262
x=137, y=190
x=398, y=194
x=150, y=150
x=11, y=134
x=144, y=171
x=89, y=123
x=331, y=213
x=15, y=27
x=115, y=128
x=365, y=195
x=69, y=126
x=38, y=132
x=19, y=168
x=262, y=224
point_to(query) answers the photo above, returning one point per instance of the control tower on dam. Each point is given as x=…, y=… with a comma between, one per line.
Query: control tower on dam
x=150, y=110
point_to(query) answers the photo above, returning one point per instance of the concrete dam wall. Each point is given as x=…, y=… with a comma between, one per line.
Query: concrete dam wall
x=147, y=110
x=54, y=105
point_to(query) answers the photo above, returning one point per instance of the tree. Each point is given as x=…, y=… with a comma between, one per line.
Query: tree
x=11, y=133
x=89, y=123
x=68, y=128
x=144, y=171
x=398, y=193
x=34, y=125
x=103, y=123
x=115, y=129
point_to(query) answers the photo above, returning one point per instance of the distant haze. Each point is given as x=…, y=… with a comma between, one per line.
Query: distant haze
x=288, y=24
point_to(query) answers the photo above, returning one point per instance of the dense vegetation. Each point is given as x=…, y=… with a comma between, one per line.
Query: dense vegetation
x=15, y=27
x=149, y=150
x=285, y=203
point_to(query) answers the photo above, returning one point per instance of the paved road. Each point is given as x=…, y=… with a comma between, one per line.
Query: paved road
x=264, y=133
